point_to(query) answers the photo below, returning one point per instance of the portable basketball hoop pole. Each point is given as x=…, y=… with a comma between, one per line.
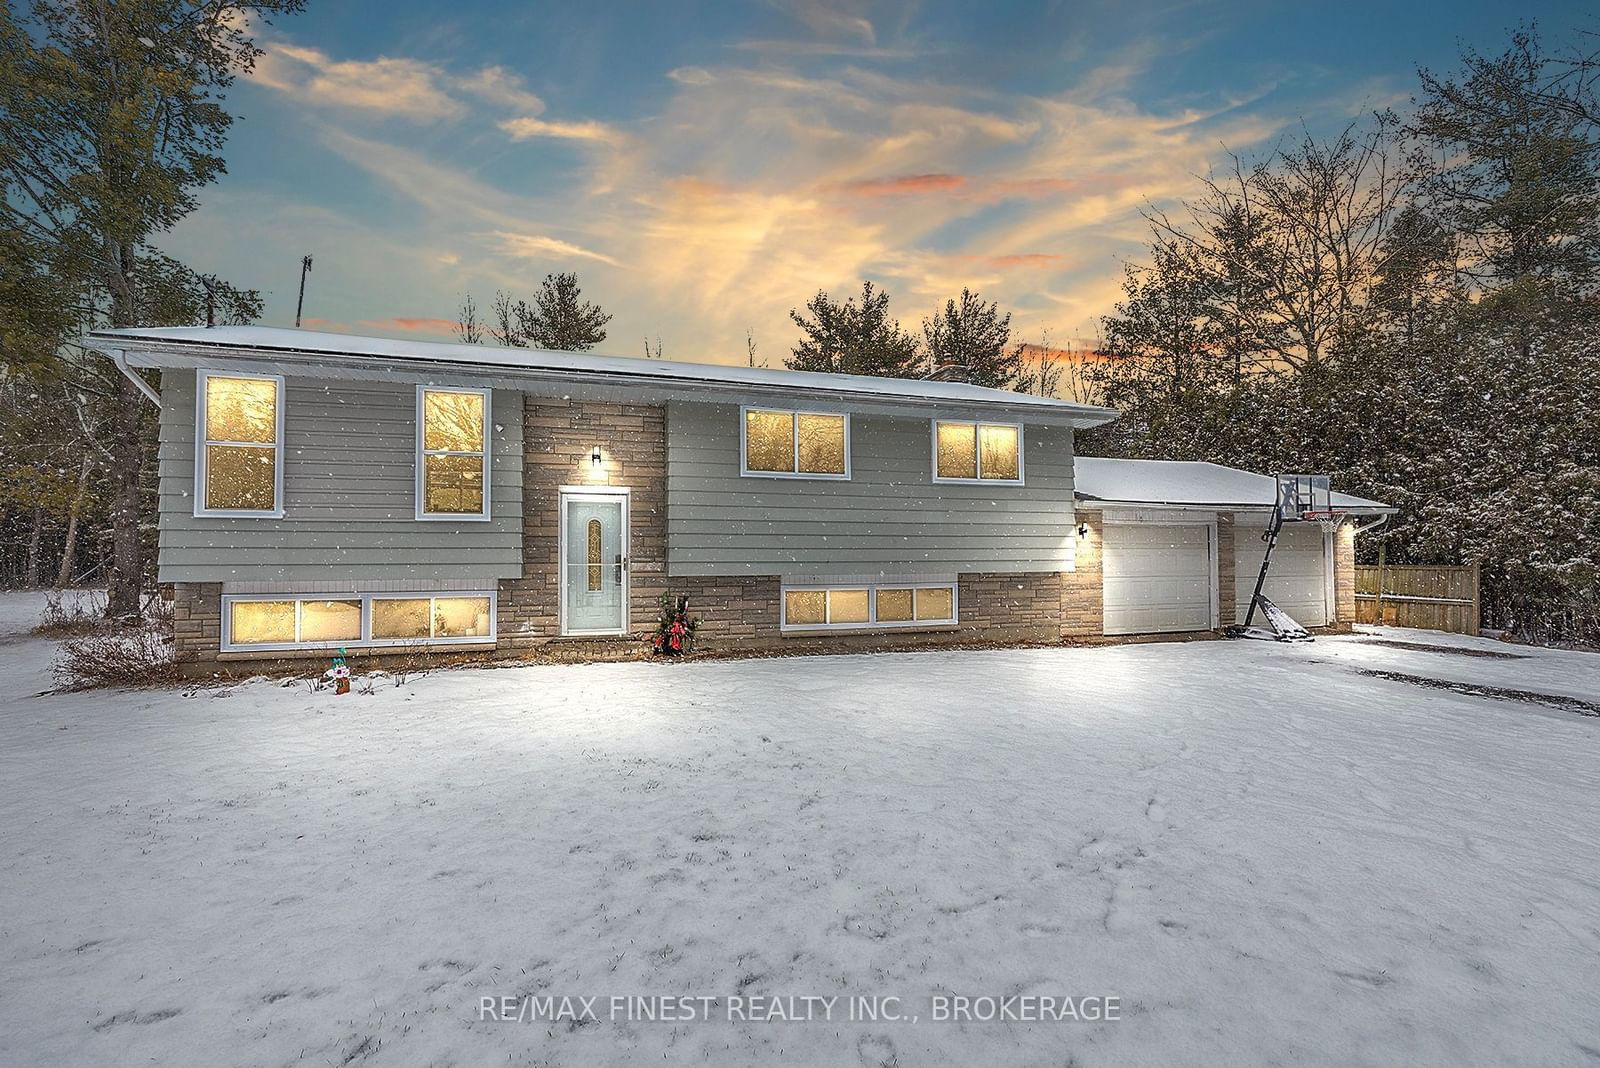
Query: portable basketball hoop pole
x=1300, y=498
x=1274, y=528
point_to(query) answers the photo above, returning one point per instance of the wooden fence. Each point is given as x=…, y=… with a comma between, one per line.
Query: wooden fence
x=1420, y=595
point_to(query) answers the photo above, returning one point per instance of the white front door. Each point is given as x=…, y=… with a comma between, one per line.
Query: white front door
x=594, y=562
x=1157, y=577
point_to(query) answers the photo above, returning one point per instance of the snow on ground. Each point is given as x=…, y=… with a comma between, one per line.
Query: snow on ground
x=1266, y=856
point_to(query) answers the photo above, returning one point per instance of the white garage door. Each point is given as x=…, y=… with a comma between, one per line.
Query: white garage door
x=1157, y=578
x=1298, y=580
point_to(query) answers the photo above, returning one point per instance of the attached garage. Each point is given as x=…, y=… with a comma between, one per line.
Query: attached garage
x=1160, y=522
x=1300, y=580
x=1158, y=577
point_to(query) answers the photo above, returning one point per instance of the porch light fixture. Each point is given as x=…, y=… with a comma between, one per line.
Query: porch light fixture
x=594, y=457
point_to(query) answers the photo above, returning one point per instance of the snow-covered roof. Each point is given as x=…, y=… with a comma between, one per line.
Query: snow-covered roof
x=1188, y=483
x=618, y=370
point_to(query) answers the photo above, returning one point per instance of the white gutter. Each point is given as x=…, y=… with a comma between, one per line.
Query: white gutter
x=1378, y=522
x=119, y=357
x=1222, y=506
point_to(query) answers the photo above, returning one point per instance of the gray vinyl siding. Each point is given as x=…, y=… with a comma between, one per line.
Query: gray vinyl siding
x=889, y=518
x=349, y=496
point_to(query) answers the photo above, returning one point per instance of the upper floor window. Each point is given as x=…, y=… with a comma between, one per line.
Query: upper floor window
x=779, y=444
x=239, y=459
x=976, y=452
x=452, y=453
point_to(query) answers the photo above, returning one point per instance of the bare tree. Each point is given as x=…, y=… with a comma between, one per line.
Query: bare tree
x=468, y=328
x=1293, y=243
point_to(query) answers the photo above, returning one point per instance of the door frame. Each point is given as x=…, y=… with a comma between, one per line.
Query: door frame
x=592, y=493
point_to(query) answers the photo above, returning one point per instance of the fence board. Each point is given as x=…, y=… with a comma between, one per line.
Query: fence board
x=1420, y=595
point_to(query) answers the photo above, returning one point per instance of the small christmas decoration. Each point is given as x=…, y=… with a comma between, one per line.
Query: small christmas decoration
x=675, y=629
x=341, y=674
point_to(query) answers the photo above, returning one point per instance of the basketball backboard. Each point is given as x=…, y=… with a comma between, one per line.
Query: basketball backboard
x=1304, y=496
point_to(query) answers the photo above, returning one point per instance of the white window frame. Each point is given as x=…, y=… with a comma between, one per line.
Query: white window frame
x=366, y=641
x=933, y=434
x=201, y=441
x=421, y=465
x=873, y=623
x=794, y=424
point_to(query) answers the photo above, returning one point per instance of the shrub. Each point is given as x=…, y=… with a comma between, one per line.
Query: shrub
x=68, y=613
x=116, y=656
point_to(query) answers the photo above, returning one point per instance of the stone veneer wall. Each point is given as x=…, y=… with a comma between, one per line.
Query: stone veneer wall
x=1344, y=576
x=1082, y=589
x=196, y=625
x=1227, y=572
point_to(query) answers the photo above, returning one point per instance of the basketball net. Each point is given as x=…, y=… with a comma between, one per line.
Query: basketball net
x=1328, y=521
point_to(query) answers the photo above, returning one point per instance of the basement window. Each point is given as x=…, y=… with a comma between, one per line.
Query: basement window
x=272, y=622
x=869, y=607
x=452, y=453
x=785, y=444
x=977, y=452
x=239, y=454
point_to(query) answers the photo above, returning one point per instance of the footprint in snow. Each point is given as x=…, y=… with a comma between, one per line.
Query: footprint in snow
x=1155, y=812
x=877, y=1051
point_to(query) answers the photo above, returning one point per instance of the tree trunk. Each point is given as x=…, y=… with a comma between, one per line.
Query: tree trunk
x=126, y=580
x=30, y=575
x=69, y=551
x=127, y=544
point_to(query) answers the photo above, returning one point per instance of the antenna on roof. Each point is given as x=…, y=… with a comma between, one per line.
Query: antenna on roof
x=305, y=269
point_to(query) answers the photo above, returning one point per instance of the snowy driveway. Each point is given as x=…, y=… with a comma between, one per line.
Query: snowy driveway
x=1264, y=854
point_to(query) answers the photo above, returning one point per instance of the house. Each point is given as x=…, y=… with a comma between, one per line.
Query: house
x=324, y=490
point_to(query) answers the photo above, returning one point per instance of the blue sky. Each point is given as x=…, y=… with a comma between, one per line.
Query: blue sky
x=704, y=167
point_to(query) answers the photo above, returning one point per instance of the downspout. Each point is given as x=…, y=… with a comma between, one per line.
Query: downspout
x=120, y=359
x=1374, y=525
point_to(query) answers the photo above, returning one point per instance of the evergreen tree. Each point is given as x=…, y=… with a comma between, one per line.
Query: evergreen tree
x=559, y=318
x=970, y=341
x=1521, y=188
x=111, y=118
x=850, y=338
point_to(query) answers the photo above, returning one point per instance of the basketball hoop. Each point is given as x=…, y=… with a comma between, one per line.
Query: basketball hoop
x=1328, y=520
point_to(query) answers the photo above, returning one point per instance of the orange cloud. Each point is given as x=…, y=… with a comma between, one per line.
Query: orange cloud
x=1081, y=351
x=411, y=324
x=902, y=185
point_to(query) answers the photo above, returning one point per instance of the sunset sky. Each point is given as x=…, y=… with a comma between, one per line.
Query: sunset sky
x=705, y=167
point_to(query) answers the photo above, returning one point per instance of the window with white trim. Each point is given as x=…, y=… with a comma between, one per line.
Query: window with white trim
x=869, y=606
x=452, y=453
x=976, y=452
x=789, y=444
x=239, y=437
x=277, y=622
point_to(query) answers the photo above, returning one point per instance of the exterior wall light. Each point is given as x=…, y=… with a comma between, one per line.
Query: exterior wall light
x=1083, y=530
x=594, y=457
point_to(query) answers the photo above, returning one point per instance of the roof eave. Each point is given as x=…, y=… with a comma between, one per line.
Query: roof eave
x=1223, y=506
x=1078, y=416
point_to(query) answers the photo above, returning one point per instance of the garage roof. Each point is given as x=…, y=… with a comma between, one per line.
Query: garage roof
x=1189, y=483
